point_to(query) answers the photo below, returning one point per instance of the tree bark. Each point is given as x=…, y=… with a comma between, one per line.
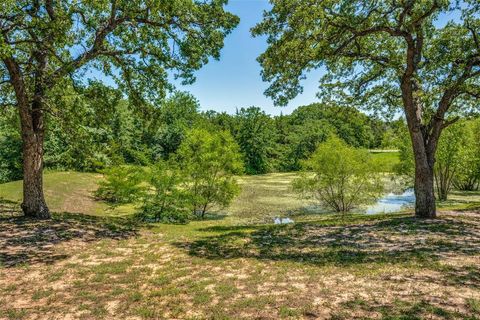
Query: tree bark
x=34, y=205
x=424, y=193
x=31, y=120
x=32, y=129
x=424, y=178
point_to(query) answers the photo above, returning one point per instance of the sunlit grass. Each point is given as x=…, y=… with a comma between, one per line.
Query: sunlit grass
x=386, y=160
x=236, y=264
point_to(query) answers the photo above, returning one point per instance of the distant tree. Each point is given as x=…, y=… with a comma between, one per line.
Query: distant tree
x=382, y=55
x=467, y=177
x=354, y=127
x=303, y=140
x=343, y=177
x=221, y=120
x=10, y=147
x=176, y=116
x=209, y=161
x=46, y=44
x=392, y=134
x=256, y=137
x=448, y=159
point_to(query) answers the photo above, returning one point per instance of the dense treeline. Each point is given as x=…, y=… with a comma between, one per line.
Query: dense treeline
x=108, y=131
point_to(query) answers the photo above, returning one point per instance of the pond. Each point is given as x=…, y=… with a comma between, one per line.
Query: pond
x=393, y=202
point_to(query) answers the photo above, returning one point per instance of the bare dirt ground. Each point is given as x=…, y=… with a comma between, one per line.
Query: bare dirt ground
x=98, y=264
x=383, y=267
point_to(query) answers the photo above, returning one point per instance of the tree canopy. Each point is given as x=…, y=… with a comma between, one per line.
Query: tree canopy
x=382, y=55
x=362, y=45
x=137, y=43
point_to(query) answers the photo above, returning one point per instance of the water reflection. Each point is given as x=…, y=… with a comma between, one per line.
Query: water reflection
x=393, y=203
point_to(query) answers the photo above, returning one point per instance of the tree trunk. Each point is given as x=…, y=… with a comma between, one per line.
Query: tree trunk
x=34, y=205
x=424, y=193
x=424, y=178
x=31, y=120
x=32, y=129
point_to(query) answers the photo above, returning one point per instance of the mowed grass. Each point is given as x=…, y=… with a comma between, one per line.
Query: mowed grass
x=94, y=264
x=68, y=192
x=386, y=159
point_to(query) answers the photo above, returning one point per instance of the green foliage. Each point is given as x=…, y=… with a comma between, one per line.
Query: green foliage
x=362, y=45
x=280, y=143
x=209, y=161
x=352, y=126
x=255, y=136
x=121, y=184
x=176, y=115
x=167, y=199
x=447, y=159
x=343, y=177
x=92, y=127
x=310, y=125
x=303, y=140
x=197, y=177
x=10, y=147
x=122, y=39
x=95, y=128
x=392, y=134
x=457, y=159
x=467, y=176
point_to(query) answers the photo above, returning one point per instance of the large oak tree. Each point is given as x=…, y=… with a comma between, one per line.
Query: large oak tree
x=46, y=43
x=422, y=56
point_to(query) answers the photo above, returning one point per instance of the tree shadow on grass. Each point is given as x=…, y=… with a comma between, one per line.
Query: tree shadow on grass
x=351, y=241
x=25, y=241
x=9, y=208
x=358, y=308
x=211, y=216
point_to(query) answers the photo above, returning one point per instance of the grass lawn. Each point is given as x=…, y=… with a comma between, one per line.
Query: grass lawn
x=95, y=263
x=386, y=159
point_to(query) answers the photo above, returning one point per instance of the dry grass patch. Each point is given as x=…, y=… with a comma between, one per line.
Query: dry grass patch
x=359, y=267
x=233, y=266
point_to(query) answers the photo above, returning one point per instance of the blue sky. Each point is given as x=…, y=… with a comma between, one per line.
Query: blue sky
x=234, y=81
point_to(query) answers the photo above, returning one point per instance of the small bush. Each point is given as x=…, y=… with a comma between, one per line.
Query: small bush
x=121, y=185
x=209, y=162
x=343, y=177
x=166, y=200
x=199, y=176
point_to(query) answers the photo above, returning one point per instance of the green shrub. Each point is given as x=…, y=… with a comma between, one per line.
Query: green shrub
x=209, y=161
x=448, y=159
x=343, y=177
x=166, y=200
x=10, y=157
x=467, y=177
x=198, y=177
x=122, y=184
x=457, y=161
